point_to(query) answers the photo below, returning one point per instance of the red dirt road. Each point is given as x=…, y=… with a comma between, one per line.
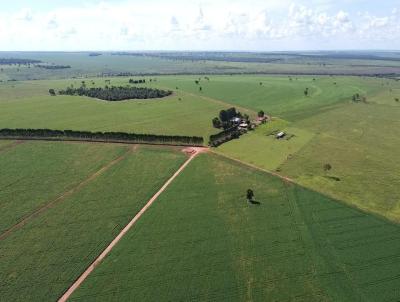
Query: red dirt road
x=193, y=152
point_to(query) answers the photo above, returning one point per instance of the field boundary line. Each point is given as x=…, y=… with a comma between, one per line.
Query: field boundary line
x=50, y=139
x=115, y=241
x=285, y=178
x=292, y=181
x=66, y=194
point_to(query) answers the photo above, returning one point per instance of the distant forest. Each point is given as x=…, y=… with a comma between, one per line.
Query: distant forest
x=115, y=93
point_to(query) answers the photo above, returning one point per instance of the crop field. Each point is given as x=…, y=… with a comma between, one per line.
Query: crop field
x=42, y=258
x=33, y=174
x=211, y=244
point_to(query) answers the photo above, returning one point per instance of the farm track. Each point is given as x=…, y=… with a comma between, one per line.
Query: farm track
x=192, y=152
x=75, y=189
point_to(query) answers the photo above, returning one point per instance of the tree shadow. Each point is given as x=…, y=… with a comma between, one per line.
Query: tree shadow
x=255, y=202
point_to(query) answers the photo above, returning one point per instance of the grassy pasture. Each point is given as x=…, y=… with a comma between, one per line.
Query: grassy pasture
x=261, y=148
x=278, y=95
x=33, y=174
x=361, y=142
x=42, y=259
x=211, y=245
x=28, y=105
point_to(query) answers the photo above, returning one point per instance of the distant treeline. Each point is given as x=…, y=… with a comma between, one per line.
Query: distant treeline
x=53, y=67
x=95, y=54
x=101, y=136
x=14, y=61
x=115, y=93
x=141, y=81
x=224, y=136
x=202, y=56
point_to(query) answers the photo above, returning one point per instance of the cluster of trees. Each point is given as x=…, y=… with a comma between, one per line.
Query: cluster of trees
x=102, y=136
x=115, y=93
x=141, y=81
x=53, y=67
x=14, y=61
x=356, y=98
x=225, y=118
x=224, y=136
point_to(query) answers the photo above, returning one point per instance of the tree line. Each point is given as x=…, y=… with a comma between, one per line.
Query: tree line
x=14, y=61
x=115, y=93
x=53, y=67
x=102, y=136
x=224, y=136
x=141, y=81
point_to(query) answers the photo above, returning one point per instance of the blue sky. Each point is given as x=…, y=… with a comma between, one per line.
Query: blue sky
x=199, y=25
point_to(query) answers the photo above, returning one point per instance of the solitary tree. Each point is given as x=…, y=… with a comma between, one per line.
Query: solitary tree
x=327, y=167
x=306, y=92
x=396, y=99
x=250, y=195
x=261, y=113
x=52, y=92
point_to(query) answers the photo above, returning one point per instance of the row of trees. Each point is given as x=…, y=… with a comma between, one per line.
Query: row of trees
x=102, y=136
x=54, y=67
x=14, y=61
x=224, y=136
x=115, y=93
x=141, y=81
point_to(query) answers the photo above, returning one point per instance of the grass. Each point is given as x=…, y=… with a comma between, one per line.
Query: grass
x=33, y=174
x=261, y=148
x=42, y=259
x=210, y=244
x=360, y=142
x=28, y=105
x=280, y=96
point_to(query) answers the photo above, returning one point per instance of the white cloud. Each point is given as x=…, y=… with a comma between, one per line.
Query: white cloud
x=214, y=24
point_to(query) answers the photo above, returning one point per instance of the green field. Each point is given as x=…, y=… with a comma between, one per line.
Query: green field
x=40, y=260
x=210, y=244
x=34, y=174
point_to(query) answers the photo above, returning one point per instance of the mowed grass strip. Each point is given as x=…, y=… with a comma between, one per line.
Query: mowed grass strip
x=35, y=173
x=202, y=241
x=42, y=259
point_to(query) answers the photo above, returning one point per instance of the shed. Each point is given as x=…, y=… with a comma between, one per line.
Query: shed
x=280, y=135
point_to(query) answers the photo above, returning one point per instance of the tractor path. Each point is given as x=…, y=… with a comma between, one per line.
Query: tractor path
x=192, y=152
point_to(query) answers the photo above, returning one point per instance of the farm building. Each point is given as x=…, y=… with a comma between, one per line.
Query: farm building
x=280, y=135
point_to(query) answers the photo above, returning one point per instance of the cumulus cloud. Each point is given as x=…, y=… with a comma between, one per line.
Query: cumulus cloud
x=215, y=24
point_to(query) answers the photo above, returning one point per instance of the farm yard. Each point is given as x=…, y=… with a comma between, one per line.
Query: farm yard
x=324, y=225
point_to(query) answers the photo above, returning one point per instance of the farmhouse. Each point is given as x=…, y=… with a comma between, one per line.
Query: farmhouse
x=236, y=120
x=280, y=135
x=243, y=126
